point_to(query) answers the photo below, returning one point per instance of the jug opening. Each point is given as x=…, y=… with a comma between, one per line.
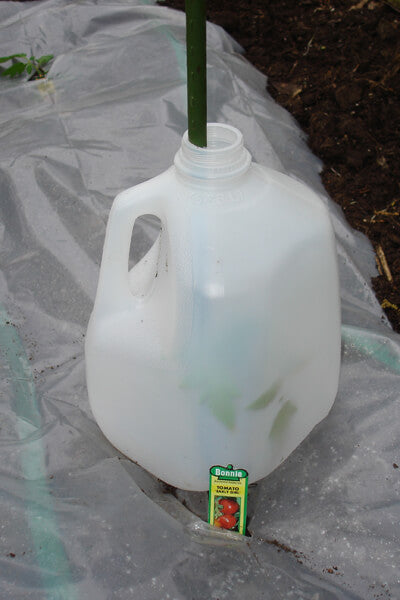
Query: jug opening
x=225, y=155
x=223, y=136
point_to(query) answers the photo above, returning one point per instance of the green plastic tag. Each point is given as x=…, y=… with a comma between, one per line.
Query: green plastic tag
x=227, y=506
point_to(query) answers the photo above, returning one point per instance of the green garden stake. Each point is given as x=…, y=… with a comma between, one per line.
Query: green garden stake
x=196, y=71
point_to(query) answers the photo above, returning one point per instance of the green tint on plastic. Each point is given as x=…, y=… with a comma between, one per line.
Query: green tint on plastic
x=196, y=71
x=50, y=553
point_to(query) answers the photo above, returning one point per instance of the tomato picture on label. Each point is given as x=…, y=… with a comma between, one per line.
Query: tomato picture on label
x=228, y=506
x=227, y=513
x=226, y=521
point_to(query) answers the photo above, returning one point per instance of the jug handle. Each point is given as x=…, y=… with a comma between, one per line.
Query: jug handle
x=113, y=288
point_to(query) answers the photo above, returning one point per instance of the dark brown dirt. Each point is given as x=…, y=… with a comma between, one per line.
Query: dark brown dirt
x=298, y=555
x=335, y=65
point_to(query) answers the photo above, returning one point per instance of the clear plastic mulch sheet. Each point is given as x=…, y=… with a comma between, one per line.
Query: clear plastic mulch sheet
x=77, y=519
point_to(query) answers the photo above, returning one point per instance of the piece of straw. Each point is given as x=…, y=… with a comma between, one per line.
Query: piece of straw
x=196, y=71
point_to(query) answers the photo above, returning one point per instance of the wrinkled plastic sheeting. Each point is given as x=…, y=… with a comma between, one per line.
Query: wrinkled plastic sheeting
x=78, y=520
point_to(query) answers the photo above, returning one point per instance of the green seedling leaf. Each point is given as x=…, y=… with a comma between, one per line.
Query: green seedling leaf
x=33, y=66
x=4, y=59
x=43, y=60
x=266, y=398
x=221, y=403
x=14, y=70
x=282, y=420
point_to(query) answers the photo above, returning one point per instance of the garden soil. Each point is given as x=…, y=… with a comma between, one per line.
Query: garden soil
x=335, y=65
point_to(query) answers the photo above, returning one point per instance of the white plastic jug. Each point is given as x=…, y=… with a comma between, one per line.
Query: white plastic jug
x=222, y=345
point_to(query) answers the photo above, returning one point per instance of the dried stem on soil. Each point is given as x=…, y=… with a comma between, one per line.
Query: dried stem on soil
x=382, y=259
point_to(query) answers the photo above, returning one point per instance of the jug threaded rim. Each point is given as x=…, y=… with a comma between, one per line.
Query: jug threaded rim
x=224, y=156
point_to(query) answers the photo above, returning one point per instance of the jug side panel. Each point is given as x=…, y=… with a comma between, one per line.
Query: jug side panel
x=144, y=413
x=256, y=400
x=133, y=354
x=255, y=334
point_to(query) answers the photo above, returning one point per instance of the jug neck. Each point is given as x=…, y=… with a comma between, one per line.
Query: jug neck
x=224, y=157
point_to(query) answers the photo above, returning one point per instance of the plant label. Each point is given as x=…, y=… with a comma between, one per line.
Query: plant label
x=227, y=507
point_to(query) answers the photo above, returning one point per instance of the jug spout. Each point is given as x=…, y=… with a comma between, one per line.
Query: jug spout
x=224, y=157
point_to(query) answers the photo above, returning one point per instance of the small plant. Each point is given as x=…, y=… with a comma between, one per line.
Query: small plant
x=33, y=66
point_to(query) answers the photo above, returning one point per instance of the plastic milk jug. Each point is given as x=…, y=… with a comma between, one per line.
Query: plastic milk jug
x=222, y=345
